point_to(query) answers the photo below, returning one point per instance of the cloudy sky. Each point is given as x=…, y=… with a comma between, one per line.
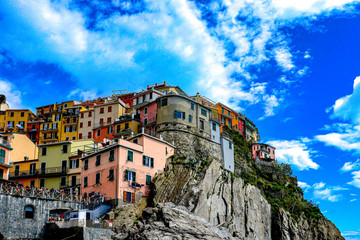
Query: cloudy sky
x=291, y=66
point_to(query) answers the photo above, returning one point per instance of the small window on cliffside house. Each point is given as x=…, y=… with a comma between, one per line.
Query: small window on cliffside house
x=190, y=118
x=230, y=145
x=202, y=124
x=164, y=102
x=29, y=212
x=214, y=127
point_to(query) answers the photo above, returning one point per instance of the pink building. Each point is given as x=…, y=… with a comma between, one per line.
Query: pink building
x=263, y=152
x=148, y=115
x=123, y=170
x=5, y=149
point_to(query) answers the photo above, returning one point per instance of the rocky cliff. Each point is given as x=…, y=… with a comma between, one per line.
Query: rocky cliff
x=195, y=198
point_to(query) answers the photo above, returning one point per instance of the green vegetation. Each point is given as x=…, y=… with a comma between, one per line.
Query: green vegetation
x=276, y=182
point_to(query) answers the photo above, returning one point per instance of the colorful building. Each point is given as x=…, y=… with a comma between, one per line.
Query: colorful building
x=15, y=120
x=26, y=172
x=33, y=130
x=124, y=170
x=148, y=117
x=59, y=163
x=23, y=147
x=251, y=131
x=126, y=126
x=167, y=89
x=86, y=124
x=264, y=152
x=5, y=148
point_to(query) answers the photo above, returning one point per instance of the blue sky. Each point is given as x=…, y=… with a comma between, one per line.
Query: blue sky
x=291, y=66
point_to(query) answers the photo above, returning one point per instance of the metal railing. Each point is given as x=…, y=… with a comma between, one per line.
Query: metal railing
x=23, y=173
x=5, y=142
x=70, y=183
x=48, y=138
x=38, y=193
x=53, y=170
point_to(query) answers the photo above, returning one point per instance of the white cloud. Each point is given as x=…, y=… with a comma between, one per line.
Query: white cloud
x=356, y=179
x=295, y=153
x=349, y=166
x=319, y=185
x=83, y=95
x=304, y=186
x=283, y=58
x=13, y=96
x=353, y=200
x=350, y=233
x=327, y=193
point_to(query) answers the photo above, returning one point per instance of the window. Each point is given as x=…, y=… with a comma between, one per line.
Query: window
x=86, y=164
x=1, y=174
x=135, y=141
x=228, y=112
x=98, y=160
x=22, y=114
x=202, y=124
x=164, y=102
x=192, y=106
x=151, y=95
x=43, y=151
x=180, y=115
x=54, y=125
x=74, y=120
x=89, y=123
x=109, y=109
x=130, y=156
x=98, y=133
x=112, y=155
x=126, y=125
x=143, y=98
x=57, y=117
x=111, y=175
x=74, y=163
x=67, y=139
x=190, y=118
x=130, y=176
x=29, y=212
x=11, y=114
x=203, y=112
x=109, y=120
x=166, y=151
x=80, y=135
x=81, y=125
x=129, y=197
x=223, y=110
x=110, y=129
x=65, y=105
x=32, y=183
x=65, y=148
x=90, y=114
x=145, y=121
x=230, y=145
x=214, y=127
x=101, y=121
x=85, y=182
x=97, y=180
x=89, y=134
x=2, y=156
x=148, y=161
x=148, y=180
x=10, y=124
x=102, y=110
x=42, y=183
x=62, y=181
x=82, y=115
x=145, y=110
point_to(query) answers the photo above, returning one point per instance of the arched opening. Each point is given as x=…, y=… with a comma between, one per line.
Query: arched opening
x=29, y=212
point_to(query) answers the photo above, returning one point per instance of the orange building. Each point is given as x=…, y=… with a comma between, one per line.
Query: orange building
x=26, y=172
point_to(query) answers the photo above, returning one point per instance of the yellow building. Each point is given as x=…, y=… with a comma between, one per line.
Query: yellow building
x=23, y=147
x=70, y=120
x=126, y=127
x=25, y=172
x=59, y=165
x=15, y=120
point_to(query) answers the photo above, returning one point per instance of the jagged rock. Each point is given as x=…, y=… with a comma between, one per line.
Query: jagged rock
x=172, y=222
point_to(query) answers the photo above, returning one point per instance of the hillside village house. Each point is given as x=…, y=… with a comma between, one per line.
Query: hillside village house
x=25, y=172
x=264, y=152
x=5, y=148
x=23, y=147
x=124, y=169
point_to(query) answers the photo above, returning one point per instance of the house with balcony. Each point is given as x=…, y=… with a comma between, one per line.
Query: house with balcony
x=251, y=131
x=126, y=127
x=15, y=120
x=59, y=165
x=5, y=148
x=33, y=130
x=263, y=152
x=23, y=147
x=123, y=170
x=25, y=172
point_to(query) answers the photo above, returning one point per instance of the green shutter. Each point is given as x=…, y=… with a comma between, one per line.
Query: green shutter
x=175, y=114
x=2, y=156
x=134, y=176
x=152, y=162
x=144, y=160
x=183, y=115
x=126, y=175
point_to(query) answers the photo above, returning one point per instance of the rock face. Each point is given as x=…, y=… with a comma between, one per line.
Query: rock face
x=167, y=221
x=285, y=228
x=222, y=200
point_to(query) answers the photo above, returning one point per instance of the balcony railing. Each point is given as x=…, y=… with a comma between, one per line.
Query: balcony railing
x=124, y=131
x=53, y=170
x=24, y=173
x=70, y=183
x=5, y=142
x=48, y=138
x=49, y=129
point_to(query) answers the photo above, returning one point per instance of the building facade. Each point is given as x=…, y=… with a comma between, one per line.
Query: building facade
x=5, y=148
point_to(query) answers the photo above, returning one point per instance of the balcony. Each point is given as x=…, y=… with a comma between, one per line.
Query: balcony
x=52, y=129
x=70, y=183
x=66, y=114
x=47, y=139
x=122, y=132
x=23, y=174
x=53, y=171
x=30, y=129
x=65, y=122
x=5, y=142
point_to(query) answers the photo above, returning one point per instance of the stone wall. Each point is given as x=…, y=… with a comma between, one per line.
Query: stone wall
x=97, y=234
x=189, y=141
x=13, y=223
